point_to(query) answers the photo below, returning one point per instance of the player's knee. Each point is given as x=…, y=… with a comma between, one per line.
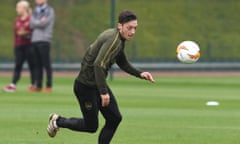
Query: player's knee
x=117, y=120
x=93, y=128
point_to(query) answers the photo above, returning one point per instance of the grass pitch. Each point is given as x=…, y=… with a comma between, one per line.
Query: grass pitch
x=171, y=111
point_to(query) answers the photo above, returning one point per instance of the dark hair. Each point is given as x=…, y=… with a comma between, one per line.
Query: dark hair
x=126, y=16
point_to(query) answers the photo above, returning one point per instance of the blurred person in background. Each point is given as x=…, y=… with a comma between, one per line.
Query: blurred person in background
x=22, y=43
x=42, y=23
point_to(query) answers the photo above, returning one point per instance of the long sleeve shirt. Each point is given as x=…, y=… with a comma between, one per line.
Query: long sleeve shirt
x=42, y=29
x=22, y=31
x=106, y=50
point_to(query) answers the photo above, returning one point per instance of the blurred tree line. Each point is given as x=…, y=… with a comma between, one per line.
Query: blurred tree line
x=163, y=24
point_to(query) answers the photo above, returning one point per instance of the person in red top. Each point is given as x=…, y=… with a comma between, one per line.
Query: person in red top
x=22, y=44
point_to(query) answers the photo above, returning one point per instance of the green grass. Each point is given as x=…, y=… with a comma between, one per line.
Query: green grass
x=171, y=111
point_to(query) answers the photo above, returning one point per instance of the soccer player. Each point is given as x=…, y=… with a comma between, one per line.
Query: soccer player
x=91, y=89
x=42, y=22
x=22, y=42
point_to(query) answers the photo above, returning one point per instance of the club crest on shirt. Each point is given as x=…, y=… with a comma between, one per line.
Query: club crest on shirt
x=88, y=105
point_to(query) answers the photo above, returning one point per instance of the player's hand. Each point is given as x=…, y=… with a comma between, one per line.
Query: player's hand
x=105, y=99
x=147, y=76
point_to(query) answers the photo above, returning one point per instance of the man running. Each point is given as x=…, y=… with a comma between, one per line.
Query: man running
x=91, y=89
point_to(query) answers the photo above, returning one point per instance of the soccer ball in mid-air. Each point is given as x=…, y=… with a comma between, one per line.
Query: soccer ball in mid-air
x=188, y=52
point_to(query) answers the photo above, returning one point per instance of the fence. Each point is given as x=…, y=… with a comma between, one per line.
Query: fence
x=149, y=66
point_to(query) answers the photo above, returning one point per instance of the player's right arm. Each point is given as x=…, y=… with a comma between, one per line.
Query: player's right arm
x=101, y=64
x=102, y=61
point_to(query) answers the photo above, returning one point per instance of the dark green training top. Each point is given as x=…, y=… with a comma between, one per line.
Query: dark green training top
x=107, y=49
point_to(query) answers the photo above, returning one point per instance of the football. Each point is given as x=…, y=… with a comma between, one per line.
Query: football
x=188, y=52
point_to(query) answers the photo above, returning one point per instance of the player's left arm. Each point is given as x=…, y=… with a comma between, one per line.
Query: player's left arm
x=123, y=63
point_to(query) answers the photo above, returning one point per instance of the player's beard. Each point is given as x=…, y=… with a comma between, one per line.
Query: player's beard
x=126, y=36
